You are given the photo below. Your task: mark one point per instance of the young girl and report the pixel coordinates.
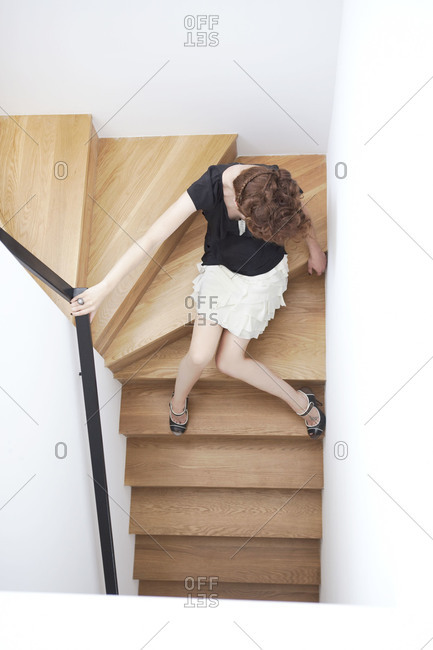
(251, 210)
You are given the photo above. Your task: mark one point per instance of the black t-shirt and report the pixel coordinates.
(223, 244)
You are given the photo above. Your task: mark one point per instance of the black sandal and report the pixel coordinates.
(316, 430)
(176, 428)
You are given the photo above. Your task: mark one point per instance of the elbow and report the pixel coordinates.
(149, 245)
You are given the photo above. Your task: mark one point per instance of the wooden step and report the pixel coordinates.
(145, 331)
(137, 179)
(213, 461)
(47, 169)
(256, 560)
(235, 408)
(226, 512)
(292, 345)
(210, 591)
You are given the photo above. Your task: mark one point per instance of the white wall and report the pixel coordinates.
(92, 57)
(379, 311)
(89, 622)
(49, 536)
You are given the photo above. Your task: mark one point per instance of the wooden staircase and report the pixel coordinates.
(232, 509)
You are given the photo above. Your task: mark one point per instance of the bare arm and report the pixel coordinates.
(145, 246)
(311, 240)
(317, 260)
(152, 239)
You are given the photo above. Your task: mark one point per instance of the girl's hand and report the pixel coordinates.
(317, 261)
(93, 296)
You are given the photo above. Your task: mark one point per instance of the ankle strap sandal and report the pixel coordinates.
(316, 430)
(176, 428)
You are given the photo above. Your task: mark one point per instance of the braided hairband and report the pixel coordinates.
(264, 173)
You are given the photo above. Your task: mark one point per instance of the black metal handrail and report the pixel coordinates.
(90, 391)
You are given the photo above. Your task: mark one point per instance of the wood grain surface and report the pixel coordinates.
(47, 167)
(214, 408)
(211, 590)
(215, 461)
(230, 559)
(226, 512)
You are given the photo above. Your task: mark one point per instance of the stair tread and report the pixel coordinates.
(250, 560)
(215, 461)
(213, 408)
(226, 512)
(216, 589)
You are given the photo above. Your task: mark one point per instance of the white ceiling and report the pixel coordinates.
(270, 78)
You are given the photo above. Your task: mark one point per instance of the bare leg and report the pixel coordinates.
(204, 342)
(231, 360)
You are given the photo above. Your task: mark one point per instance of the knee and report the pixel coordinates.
(225, 364)
(199, 358)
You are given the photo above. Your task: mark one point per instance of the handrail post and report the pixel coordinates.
(88, 376)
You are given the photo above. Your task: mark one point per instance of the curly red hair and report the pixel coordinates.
(270, 201)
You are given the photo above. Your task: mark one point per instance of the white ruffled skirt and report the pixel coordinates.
(242, 304)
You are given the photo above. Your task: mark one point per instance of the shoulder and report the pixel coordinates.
(206, 191)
